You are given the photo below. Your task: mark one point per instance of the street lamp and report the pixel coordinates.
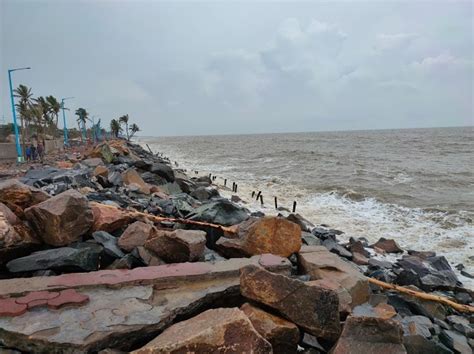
(66, 139)
(19, 153)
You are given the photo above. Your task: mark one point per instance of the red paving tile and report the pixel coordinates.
(9, 307)
(68, 297)
(37, 295)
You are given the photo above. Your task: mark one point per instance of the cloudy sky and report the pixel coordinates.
(192, 68)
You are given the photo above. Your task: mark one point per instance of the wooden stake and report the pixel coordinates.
(276, 203)
(294, 206)
(261, 199)
(424, 296)
(258, 194)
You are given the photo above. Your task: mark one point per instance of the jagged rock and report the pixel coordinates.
(273, 235)
(336, 248)
(370, 335)
(455, 341)
(211, 256)
(322, 264)
(143, 164)
(359, 259)
(186, 185)
(101, 171)
(163, 170)
(168, 188)
(220, 330)
(422, 254)
(62, 219)
(131, 178)
(387, 245)
(18, 196)
(148, 257)
(356, 246)
(153, 179)
(108, 218)
(304, 224)
(462, 325)
(381, 310)
(204, 193)
(417, 325)
(313, 308)
(93, 162)
(115, 178)
(283, 335)
(109, 243)
(179, 205)
(222, 212)
(417, 344)
(178, 246)
(309, 239)
(135, 235)
(62, 259)
(128, 261)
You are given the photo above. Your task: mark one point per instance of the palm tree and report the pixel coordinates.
(124, 119)
(115, 127)
(43, 117)
(133, 129)
(82, 117)
(24, 94)
(54, 108)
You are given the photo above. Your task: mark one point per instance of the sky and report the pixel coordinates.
(203, 68)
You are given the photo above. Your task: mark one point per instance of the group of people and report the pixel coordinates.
(35, 150)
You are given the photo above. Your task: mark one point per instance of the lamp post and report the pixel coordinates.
(19, 152)
(66, 138)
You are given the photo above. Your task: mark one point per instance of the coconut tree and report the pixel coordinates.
(43, 111)
(124, 119)
(54, 108)
(25, 95)
(133, 129)
(82, 118)
(115, 127)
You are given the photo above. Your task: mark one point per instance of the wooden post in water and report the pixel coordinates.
(276, 203)
(225, 182)
(261, 199)
(253, 194)
(294, 206)
(258, 194)
(233, 186)
(236, 188)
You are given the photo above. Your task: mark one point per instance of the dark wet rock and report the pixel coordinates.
(143, 164)
(222, 212)
(462, 325)
(309, 239)
(62, 219)
(206, 180)
(313, 308)
(179, 205)
(387, 245)
(115, 178)
(370, 335)
(257, 214)
(163, 170)
(416, 344)
(357, 246)
(205, 193)
(186, 185)
(408, 277)
(310, 341)
(282, 334)
(273, 235)
(61, 259)
(455, 341)
(407, 306)
(93, 162)
(417, 325)
(304, 224)
(223, 330)
(336, 248)
(109, 242)
(178, 245)
(422, 254)
(152, 178)
(463, 297)
(211, 256)
(378, 264)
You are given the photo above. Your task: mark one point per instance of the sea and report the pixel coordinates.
(412, 185)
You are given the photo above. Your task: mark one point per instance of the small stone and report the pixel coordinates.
(101, 171)
(135, 235)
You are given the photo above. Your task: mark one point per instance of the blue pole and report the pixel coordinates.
(66, 139)
(15, 125)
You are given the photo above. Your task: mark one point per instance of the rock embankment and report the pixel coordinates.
(115, 250)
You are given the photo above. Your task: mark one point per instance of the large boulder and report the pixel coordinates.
(108, 218)
(370, 335)
(135, 235)
(163, 170)
(109, 243)
(62, 259)
(324, 266)
(131, 178)
(311, 307)
(222, 212)
(62, 219)
(263, 235)
(387, 245)
(223, 330)
(283, 335)
(19, 196)
(178, 246)
(204, 193)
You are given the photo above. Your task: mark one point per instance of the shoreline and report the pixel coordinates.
(115, 214)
